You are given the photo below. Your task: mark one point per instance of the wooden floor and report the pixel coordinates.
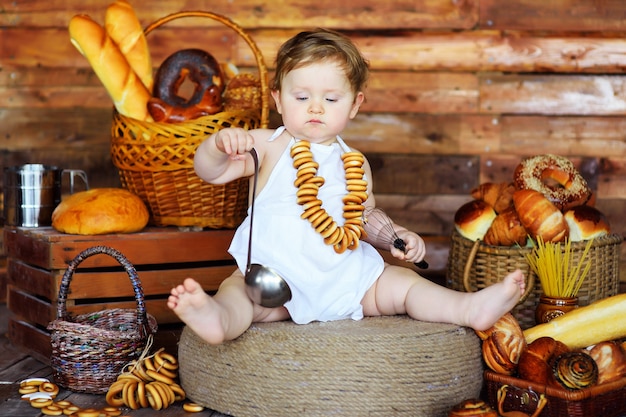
(16, 365)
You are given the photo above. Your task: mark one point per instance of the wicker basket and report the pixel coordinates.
(605, 400)
(155, 160)
(476, 265)
(90, 350)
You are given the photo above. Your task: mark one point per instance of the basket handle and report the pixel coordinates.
(524, 399)
(265, 96)
(142, 318)
(468, 267)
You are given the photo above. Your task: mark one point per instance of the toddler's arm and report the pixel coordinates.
(224, 157)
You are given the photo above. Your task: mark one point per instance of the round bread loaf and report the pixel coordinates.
(100, 211)
(586, 223)
(473, 219)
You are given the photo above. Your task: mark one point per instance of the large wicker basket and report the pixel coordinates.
(476, 265)
(90, 350)
(155, 160)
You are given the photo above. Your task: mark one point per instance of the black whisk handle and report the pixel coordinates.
(422, 264)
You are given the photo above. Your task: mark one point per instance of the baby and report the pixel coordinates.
(315, 192)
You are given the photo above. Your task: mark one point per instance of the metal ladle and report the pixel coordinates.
(264, 285)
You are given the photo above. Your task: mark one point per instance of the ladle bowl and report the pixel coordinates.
(264, 285)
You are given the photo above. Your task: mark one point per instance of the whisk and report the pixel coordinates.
(386, 232)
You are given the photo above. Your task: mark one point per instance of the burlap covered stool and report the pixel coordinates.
(384, 366)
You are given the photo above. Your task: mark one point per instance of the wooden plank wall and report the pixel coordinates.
(460, 91)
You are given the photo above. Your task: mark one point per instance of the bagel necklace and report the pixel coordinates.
(308, 184)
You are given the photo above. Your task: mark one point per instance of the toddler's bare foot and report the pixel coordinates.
(491, 303)
(197, 310)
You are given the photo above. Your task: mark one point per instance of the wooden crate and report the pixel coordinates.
(38, 257)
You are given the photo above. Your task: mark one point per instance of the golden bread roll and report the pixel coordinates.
(130, 96)
(123, 26)
(611, 361)
(585, 222)
(535, 363)
(539, 216)
(100, 211)
(473, 219)
(506, 229)
(503, 344)
(497, 195)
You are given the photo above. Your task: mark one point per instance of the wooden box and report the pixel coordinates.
(38, 257)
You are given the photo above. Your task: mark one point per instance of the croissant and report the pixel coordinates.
(539, 216)
(506, 229)
(497, 195)
(575, 370)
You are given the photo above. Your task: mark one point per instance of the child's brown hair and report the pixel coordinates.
(322, 45)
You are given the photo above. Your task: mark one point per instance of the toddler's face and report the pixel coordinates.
(316, 101)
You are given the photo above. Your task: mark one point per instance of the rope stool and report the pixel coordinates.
(382, 366)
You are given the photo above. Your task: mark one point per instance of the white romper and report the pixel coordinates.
(325, 285)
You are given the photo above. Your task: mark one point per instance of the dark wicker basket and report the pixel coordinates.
(476, 265)
(90, 350)
(605, 400)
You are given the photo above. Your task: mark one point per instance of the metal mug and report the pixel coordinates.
(32, 192)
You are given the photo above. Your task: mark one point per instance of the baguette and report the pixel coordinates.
(128, 93)
(123, 26)
(585, 326)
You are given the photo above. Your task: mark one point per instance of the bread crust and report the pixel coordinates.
(100, 211)
(130, 96)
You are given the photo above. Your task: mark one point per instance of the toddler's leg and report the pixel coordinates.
(215, 319)
(399, 290)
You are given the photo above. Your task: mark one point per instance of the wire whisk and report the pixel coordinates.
(385, 231)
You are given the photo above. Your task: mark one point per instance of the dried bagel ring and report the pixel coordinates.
(343, 245)
(28, 389)
(112, 411)
(301, 179)
(52, 410)
(41, 402)
(193, 408)
(49, 388)
(319, 220)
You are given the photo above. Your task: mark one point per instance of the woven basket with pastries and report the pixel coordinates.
(495, 232)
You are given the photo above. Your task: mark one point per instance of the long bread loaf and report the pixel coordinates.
(585, 326)
(128, 93)
(123, 26)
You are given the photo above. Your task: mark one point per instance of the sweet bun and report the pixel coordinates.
(503, 344)
(585, 222)
(473, 219)
(100, 211)
(610, 359)
(536, 362)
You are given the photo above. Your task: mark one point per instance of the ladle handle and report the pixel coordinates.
(255, 158)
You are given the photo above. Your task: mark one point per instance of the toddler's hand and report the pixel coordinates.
(415, 248)
(234, 142)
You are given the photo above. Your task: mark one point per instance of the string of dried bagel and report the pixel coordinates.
(308, 184)
(149, 381)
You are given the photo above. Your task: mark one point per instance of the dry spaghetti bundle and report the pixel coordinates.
(552, 263)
